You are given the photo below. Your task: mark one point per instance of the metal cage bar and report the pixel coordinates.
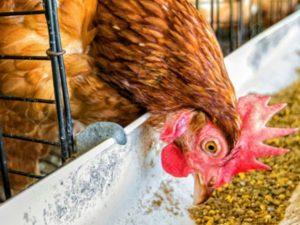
(21, 99)
(68, 116)
(53, 53)
(231, 26)
(212, 7)
(240, 29)
(30, 139)
(61, 102)
(22, 13)
(4, 169)
(20, 173)
(21, 57)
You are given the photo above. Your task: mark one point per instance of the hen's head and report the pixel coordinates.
(206, 154)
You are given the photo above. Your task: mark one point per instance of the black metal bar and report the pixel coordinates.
(290, 6)
(231, 26)
(277, 11)
(197, 4)
(22, 13)
(20, 173)
(260, 20)
(4, 169)
(212, 3)
(21, 99)
(56, 79)
(271, 13)
(30, 139)
(21, 57)
(65, 93)
(250, 19)
(218, 20)
(240, 24)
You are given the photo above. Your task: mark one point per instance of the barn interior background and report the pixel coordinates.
(234, 21)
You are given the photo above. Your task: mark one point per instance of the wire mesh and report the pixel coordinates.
(61, 101)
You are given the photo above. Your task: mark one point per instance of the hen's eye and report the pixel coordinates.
(211, 147)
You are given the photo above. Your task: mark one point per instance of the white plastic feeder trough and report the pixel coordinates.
(113, 185)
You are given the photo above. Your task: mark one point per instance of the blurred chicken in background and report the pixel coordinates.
(226, 11)
(275, 10)
(223, 10)
(91, 99)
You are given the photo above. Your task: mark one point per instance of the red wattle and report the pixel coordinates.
(174, 162)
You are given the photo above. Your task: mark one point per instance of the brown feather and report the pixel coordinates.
(166, 55)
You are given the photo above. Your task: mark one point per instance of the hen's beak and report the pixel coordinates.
(202, 191)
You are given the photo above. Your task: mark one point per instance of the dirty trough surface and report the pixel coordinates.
(113, 185)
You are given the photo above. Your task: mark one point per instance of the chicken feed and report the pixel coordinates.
(260, 198)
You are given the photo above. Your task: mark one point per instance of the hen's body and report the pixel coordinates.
(91, 99)
(165, 53)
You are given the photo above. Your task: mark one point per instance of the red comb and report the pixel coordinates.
(255, 113)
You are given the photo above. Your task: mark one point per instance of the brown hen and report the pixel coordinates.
(91, 99)
(165, 53)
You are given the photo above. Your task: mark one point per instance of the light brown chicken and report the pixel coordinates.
(91, 99)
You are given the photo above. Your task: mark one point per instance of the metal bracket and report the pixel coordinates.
(96, 133)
